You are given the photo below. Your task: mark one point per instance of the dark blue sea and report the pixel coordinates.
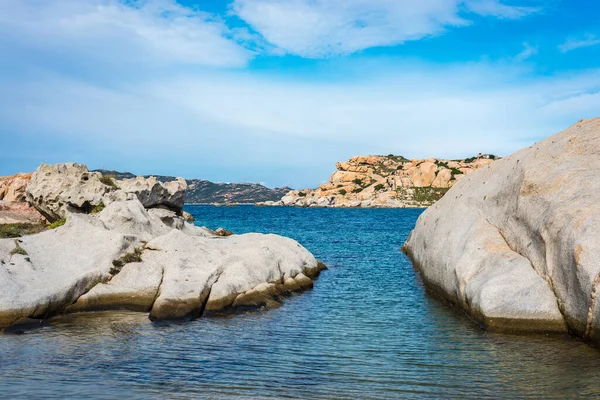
(367, 330)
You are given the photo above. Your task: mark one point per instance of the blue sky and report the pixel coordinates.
(277, 91)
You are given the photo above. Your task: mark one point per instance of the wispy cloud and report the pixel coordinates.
(274, 125)
(159, 31)
(528, 52)
(321, 28)
(573, 43)
(497, 9)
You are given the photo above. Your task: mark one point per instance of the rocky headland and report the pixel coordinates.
(201, 191)
(517, 243)
(125, 244)
(385, 182)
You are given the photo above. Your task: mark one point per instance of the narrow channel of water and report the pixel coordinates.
(366, 331)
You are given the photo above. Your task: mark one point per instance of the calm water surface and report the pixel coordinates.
(366, 331)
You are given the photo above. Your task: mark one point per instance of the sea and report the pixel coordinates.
(367, 330)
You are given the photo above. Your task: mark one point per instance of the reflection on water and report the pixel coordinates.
(366, 331)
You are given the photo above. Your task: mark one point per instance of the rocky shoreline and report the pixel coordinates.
(516, 243)
(385, 182)
(126, 245)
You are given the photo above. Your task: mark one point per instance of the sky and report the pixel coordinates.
(278, 91)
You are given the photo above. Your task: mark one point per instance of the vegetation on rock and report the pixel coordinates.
(18, 230)
(18, 249)
(98, 208)
(109, 180)
(57, 223)
(134, 256)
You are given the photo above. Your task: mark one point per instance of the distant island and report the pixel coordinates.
(391, 181)
(200, 191)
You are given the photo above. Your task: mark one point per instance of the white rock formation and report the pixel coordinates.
(130, 257)
(517, 243)
(57, 189)
(152, 193)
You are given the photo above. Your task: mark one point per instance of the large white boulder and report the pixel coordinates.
(56, 189)
(517, 243)
(152, 193)
(56, 267)
(128, 257)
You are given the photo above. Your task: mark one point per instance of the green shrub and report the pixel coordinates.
(98, 208)
(108, 180)
(343, 192)
(301, 194)
(379, 187)
(428, 195)
(18, 230)
(10, 231)
(357, 190)
(357, 181)
(455, 171)
(18, 250)
(390, 155)
(57, 223)
(470, 159)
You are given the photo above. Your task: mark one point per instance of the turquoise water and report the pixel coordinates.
(366, 331)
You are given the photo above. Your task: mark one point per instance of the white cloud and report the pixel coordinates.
(528, 52)
(577, 43)
(294, 132)
(496, 9)
(321, 28)
(157, 31)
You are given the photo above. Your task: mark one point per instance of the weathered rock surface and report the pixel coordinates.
(12, 188)
(152, 193)
(517, 243)
(13, 208)
(129, 257)
(385, 181)
(57, 189)
(19, 213)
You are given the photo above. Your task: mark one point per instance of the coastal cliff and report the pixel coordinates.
(386, 181)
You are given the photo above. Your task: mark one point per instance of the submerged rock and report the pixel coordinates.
(516, 243)
(125, 256)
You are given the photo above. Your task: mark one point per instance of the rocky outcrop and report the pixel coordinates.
(152, 193)
(13, 207)
(385, 181)
(12, 188)
(55, 190)
(129, 257)
(516, 244)
(19, 213)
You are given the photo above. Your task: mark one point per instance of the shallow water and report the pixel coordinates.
(367, 330)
